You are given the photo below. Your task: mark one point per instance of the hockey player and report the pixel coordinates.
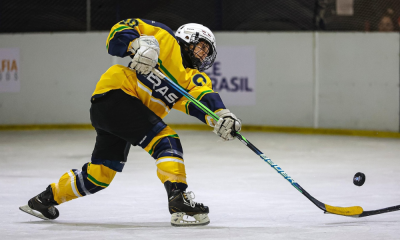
(128, 106)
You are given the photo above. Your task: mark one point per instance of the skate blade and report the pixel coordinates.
(178, 221)
(32, 212)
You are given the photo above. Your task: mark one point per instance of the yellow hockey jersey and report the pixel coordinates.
(155, 93)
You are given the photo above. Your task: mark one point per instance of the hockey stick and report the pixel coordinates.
(355, 211)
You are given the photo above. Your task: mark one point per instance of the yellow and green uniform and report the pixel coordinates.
(164, 144)
(157, 95)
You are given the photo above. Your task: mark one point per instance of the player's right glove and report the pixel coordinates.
(146, 50)
(227, 125)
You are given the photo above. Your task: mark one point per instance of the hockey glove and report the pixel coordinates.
(227, 125)
(146, 50)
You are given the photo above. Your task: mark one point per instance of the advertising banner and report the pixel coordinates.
(9, 70)
(234, 75)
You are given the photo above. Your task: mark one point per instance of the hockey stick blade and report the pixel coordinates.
(355, 211)
(358, 211)
(344, 211)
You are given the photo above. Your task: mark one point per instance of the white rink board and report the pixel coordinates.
(356, 89)
(247, 198)
(358, 77)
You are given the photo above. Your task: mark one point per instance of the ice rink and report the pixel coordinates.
(247, 198)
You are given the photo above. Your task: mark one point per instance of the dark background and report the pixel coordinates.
(220, 15)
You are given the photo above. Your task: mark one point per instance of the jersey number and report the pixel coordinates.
(130, 22)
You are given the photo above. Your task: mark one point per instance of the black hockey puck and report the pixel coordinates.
(359, 179)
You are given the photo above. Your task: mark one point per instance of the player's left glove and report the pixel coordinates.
(227, 125)
(146, 50)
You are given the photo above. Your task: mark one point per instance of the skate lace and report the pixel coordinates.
(190, 196)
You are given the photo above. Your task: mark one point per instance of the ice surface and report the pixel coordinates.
(247, 198)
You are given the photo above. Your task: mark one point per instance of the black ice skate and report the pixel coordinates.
(42, 205)
(181, 204)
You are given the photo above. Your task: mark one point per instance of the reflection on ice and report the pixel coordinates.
(247, 198)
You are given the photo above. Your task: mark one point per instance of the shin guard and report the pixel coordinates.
(167, 150)
(75, 183)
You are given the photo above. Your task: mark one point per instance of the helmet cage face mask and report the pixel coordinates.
(208, 61)
(190, 41)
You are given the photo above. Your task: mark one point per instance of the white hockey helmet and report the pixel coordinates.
(192, 34)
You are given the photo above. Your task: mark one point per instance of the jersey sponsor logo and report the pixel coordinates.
(199, 80)
(163, 90)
